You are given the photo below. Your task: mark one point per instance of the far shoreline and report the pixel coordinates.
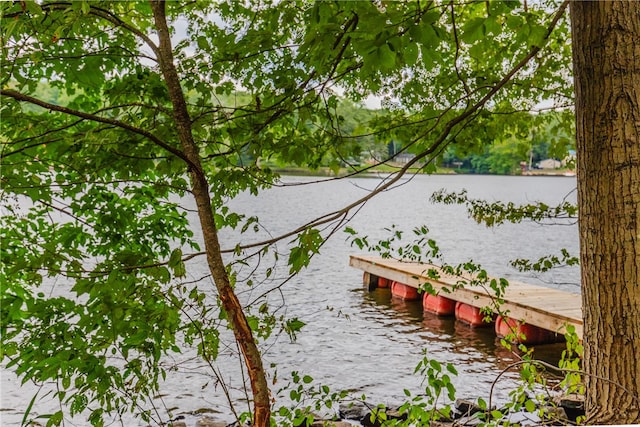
(327, 172)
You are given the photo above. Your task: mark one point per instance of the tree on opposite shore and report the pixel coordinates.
(98, 183)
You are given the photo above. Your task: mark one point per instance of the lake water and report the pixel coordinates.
(356, 340)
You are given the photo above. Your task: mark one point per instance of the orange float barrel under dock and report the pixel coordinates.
(405, 292)
(472, 316)
(438, 304)
(523, 333)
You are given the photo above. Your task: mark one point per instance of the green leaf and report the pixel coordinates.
(452, 369)
(175, 258)
(425, 34)
(530, 405)
(202, 42)
(537, 35)
(410, 54)
(180, 270)
(473, 30)
(293, 326)
(254, 323)
(386, 57)
(55, 419)
(482, 404)
(10, 27)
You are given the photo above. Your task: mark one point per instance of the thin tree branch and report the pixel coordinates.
(108, 16)
(92, 117)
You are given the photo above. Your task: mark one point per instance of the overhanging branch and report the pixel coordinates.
(95, 118)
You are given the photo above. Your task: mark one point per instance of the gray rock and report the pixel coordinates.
(327, 423)
(202, 411)
(210, 422)
(392, 414)
(573, 405)
(572, 401)
(468, 421)
(395, 414)
(319, 421)
(353, 410)
(467, 407)
(555, 414)
(524, 419)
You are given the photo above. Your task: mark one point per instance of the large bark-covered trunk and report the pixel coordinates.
(200, 190)
(606, 62)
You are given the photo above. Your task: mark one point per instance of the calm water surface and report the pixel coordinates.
(366, 342)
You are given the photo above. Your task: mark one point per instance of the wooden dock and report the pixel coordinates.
(546, 308)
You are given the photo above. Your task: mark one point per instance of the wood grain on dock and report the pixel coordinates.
(547, 308)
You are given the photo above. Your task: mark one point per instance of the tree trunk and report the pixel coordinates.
(606, 64)
(200, 189)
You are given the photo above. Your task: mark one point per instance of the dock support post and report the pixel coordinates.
(370, 281)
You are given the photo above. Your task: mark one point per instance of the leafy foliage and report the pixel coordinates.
(101, 165)
(498, 213)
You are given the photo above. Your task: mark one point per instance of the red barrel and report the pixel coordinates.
(438, 304)
(524, 333)
(406, 292)
(470, 315)
(383, 282)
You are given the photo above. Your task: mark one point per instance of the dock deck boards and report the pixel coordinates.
(547, 308)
